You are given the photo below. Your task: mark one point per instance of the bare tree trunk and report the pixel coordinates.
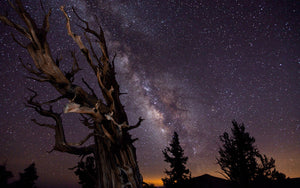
(114, 153)
(118, 165)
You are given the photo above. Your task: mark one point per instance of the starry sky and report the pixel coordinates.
(187, 66)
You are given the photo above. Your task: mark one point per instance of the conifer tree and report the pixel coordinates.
(28, 178)
(241, 161)
(86, 172)
(237, 157)
(5, 175)
(175, 156)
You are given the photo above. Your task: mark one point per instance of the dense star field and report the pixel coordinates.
(187, 66)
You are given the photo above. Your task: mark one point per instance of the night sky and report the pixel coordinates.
(187, 66)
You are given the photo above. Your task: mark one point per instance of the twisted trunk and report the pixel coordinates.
(116, 167)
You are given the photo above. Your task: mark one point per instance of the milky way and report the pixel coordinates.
(186, 66)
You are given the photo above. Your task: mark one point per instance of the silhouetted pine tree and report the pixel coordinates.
(4, 176)
(178, 174)
(267, 173)
(28, 178)
(238, 155)
(241, 161)
(86, 172)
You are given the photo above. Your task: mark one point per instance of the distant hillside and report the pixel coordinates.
(291, 183)
(208, 181)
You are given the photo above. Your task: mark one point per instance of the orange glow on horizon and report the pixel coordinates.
(155, 181)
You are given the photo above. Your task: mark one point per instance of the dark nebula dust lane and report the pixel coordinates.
(187, 66)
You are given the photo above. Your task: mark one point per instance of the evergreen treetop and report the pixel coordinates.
(241, 161)
(175, 156)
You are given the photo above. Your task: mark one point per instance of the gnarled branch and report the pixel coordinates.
(19, 28)
(38, 47)
(43, 124)
(60, 141)
(99, 36)
(31, 70)
(18, 42)
(78, 40)
(137, 125)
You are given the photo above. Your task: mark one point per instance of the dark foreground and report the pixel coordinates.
(208, 181)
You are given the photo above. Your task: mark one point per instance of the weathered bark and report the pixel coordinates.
(114, 153)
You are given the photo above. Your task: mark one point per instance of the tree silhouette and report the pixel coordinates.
(241, 161)
(86, 172)
(238, 155)
(267, 173)
(4, 176)
(179, 173)
(28, 178)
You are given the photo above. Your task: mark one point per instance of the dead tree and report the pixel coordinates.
(114, 153)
